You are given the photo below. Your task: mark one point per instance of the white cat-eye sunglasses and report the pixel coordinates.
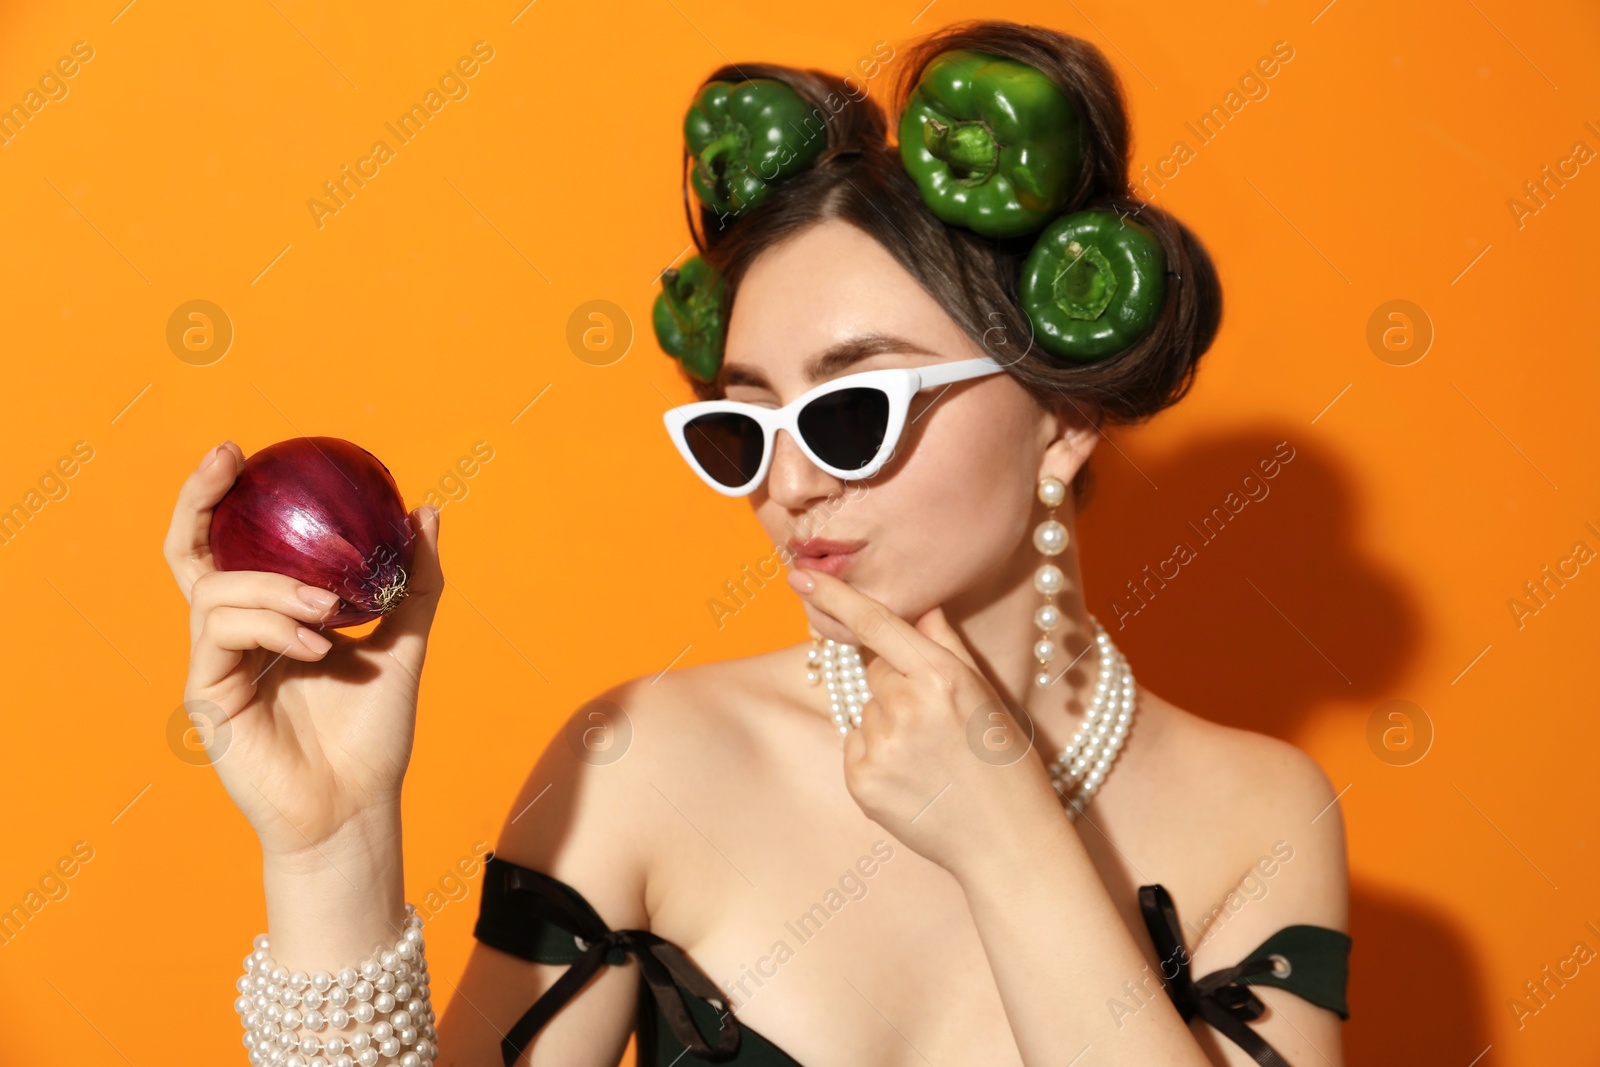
(848, 426)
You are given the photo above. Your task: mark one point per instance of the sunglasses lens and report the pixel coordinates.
(727, 447)
(845, 428)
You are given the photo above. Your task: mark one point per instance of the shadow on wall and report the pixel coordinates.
(1243, 598)
(1416, 995)
(1239, 595)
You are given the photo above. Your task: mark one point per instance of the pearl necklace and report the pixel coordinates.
(838, 667)
(1082, 766)
(1087, 759)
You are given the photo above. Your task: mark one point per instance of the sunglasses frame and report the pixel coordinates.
(898, 384)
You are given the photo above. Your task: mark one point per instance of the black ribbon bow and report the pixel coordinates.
(1217, 998)
(664, 965)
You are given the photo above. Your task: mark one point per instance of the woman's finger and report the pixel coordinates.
(906, 648)
(935, 625)
(877, 720)
(258, 589)
(229, 632)
(408, 624)
(187, 546)
(855, 746)
(886, 682)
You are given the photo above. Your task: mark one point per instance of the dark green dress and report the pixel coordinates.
(539, 917)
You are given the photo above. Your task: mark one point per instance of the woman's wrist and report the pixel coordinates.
(329, 903)
(373, 1013)
(368, 835)
(1014, 840)
(1015, 814)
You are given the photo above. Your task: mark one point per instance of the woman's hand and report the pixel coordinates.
(308, 738)
(939, 760)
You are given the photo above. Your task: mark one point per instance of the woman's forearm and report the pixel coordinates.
(329, 905)
(342, 978)
(1059, 951)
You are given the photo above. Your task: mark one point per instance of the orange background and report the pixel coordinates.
(433, 309)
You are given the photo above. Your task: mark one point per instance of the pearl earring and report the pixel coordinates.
(1050, 538)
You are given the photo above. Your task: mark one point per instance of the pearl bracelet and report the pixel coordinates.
(384, 999)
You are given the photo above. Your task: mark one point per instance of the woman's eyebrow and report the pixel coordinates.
(830, 361)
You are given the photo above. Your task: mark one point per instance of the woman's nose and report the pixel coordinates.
(793, 481)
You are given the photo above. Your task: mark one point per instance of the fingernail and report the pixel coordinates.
(315, 642)
(801, 581)
(210, 457)
(320, 599)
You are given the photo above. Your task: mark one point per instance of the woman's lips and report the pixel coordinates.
(829, 557)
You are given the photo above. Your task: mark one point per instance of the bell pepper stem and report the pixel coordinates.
(1084, 287)
(676, 302)
(968, 147)
(715, 157)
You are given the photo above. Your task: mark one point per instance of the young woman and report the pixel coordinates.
(961, 881)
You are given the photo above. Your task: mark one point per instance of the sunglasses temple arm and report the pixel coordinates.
(948, 374)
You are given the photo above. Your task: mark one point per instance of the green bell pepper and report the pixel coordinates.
(688, 317)
(993, 144)
(1093, 284)
(739, 134)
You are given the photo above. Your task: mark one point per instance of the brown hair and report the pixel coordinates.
(860, 179)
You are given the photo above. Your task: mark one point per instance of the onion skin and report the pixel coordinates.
(325, 512)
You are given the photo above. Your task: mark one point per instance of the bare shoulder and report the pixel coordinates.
(700, 711)
(1262, 847)
(1238, 766)
(1251, 797)
(590, 810)
(580, 813)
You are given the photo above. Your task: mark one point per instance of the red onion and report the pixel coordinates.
(325, 512)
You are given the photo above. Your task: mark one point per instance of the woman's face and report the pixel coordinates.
(955, 504)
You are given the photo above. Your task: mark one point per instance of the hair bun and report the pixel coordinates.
(841, 152)
(1162, 295)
